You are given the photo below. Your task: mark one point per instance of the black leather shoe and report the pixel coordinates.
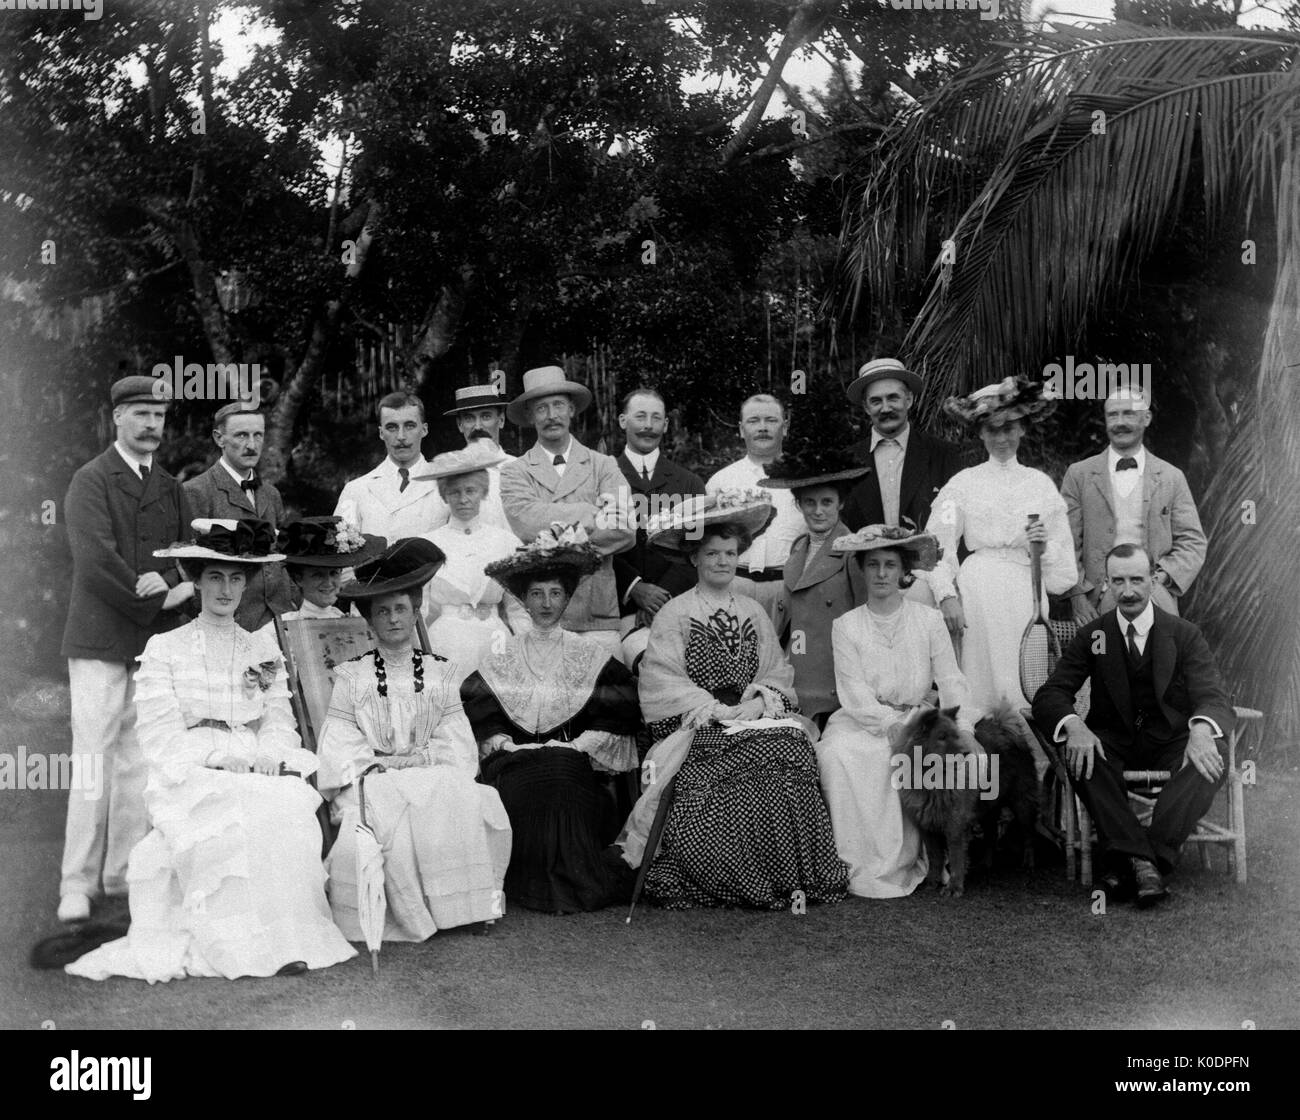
(1151, 887)
(1118, 886)
(293, 968)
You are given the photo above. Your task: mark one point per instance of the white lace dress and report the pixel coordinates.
(229, 880)
(988, 506)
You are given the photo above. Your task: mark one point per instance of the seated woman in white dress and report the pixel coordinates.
(228, 882)
(396, 722)
(987, 599)
(317, 550)
(468, 614)
(887, 652)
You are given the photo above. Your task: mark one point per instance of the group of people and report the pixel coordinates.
(753, 647)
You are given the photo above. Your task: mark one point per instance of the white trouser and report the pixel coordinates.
(101, 831)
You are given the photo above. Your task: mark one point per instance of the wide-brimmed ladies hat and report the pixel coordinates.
(877, 370)
(921, 549)
(1013, 398)
(473, 397)
(546, 381)
(478, 456)
(813, 464)
(327, 542)
(682, 527)
(561, 547)
(406, 564)
(237, 541)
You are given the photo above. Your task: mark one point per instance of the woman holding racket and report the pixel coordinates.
(1001, 509)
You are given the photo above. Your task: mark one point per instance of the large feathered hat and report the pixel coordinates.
(559, 548)
(1013, 398)
(406, 564)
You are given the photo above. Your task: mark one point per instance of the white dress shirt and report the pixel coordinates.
(1125, 482)
(133, 461)
(888, 452)
(644, 465)
(772, 549)
(567, 454)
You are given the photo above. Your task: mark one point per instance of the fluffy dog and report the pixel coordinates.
(999, 733)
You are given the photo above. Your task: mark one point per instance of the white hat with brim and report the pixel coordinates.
(878, 370)
(545, 381)
(922, 549)
(685, 525)
(477, 457)
(233, 540)
(473, 397)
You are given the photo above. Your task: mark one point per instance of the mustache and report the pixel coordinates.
(478, 433)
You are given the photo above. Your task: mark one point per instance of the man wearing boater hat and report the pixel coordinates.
(120, 508)
(907, 468)
(558, 479)
(231, 487)
(480, 415)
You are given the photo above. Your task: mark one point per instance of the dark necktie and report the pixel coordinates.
(558, 460)
(1128, 463)
(249, 485)
(406, 478)
(144, 474)
(1134, 655)
(645, 472)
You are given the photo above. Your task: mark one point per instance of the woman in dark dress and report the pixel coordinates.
(552, 713)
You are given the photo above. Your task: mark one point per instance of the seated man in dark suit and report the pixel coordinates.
(1157, 704)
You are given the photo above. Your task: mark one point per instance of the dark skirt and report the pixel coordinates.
(563, 818)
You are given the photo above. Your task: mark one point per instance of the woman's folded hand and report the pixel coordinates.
(266, 764)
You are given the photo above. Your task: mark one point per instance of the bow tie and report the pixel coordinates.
(1128, 463)
(249, 485)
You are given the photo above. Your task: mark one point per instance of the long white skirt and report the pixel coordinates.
(446, 845)
(228, 883)
(879, 842)
(996, 597)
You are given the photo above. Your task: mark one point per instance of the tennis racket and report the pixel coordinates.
(1039, 647)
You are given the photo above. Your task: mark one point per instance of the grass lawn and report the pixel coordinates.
(1020, 950)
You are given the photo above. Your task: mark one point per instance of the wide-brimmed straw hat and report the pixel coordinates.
(478, 456)
(813, 464)
(921, 549)
(877, 370)
(546, 381)
(561, 547)
(473, 397)
(327, 542)
(234, 540)
(1013, 398)
(683, 526)
(406, 564)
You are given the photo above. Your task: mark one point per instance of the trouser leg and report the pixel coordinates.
(1106, 798)
(1186, 798)
(128, 821)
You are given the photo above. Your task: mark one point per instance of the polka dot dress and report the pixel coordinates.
(748, 825)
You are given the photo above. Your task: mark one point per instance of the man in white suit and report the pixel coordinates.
(558, 479)
(480, 415)
(1126, 495)
(388, 501)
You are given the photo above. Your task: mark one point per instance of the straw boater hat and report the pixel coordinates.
(1011, 399)
(246, 541)
(474, 397)
(405, 565)
(683, 526)
(477, 457)
(878, 370)
(327, 542)
(921, 549)
(561, 546)
(813, 464)
(545, 381)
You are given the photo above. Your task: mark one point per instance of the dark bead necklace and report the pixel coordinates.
(381, 673)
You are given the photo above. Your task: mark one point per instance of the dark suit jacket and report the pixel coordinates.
(927, 465)
(673, 574)
(269, 590)
(1187, 680)
(114, 523)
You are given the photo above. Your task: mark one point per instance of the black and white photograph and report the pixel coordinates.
(651, 515)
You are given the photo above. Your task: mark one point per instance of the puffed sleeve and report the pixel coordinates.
(344, 751)
(452, 742)
(857, 696)
(953, 690)
(1060, 572)
(277, 731)
(947, 523)
(170, 750)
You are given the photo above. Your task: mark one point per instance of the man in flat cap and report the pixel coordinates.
(558, 479)
(120, 507)
(230, 488)
(480, 414)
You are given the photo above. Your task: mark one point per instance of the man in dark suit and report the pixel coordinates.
(646, 577)
(120, 507)
(1157, 704)
(908, 468)
(231, 488)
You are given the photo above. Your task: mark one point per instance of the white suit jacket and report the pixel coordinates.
(376, 505)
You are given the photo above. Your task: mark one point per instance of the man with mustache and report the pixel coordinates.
(763, 424)
(1127, 495)
(647, 578)
(389, 502)
(232, 488)
(120, 507)
(1157, 703)
(480, 415)
(908, 467)
(558, 479)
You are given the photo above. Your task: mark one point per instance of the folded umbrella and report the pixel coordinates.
(372, 905)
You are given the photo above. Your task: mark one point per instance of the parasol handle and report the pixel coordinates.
(361, 791)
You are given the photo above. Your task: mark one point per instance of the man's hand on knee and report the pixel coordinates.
(1081, 745)
(1202, 753)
